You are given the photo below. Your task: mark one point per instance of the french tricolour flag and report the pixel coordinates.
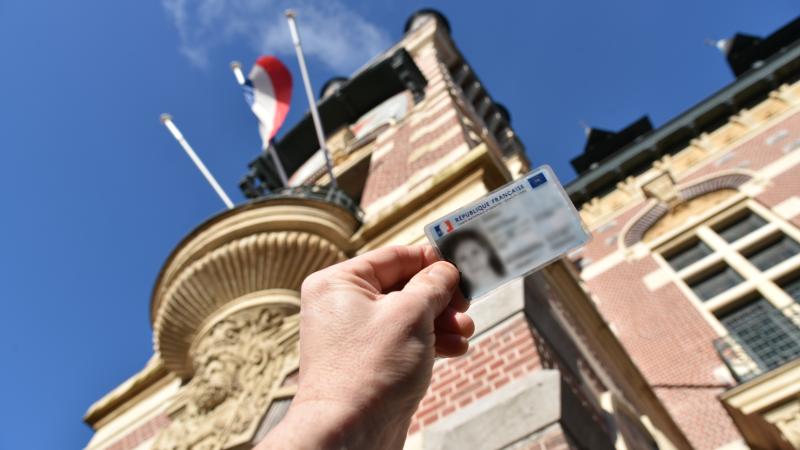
(268, 91)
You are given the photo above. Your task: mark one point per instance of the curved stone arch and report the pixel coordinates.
(635, 231)
(716, 183)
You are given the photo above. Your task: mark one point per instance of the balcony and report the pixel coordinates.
(772, 340)
(264, 246)
(321, 193)
(225, 309)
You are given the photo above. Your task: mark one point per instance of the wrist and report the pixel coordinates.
(320, 424)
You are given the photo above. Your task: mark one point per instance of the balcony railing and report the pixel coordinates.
(774, 340)
(323, 193)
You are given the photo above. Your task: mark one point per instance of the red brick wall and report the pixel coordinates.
(507, 353)
(672, 344)
(393, 169)
(663, 331)
(781, 188)
(140, 434)
(755, 152)
(605, 237)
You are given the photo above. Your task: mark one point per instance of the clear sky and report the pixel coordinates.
(95, 193)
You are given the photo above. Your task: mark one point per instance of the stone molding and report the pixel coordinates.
(262, 246)
(504, 417)
(638, 227)
(98, 414)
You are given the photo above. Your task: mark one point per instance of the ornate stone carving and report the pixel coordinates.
(270, 244)
(662, 188)
(239, 361)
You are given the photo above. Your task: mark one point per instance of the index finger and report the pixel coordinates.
(388, 267)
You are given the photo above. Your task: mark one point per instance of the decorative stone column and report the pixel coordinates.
(225, 313)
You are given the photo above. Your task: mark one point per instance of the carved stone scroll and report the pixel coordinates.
(239, 363)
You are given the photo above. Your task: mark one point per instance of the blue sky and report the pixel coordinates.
(96, 193)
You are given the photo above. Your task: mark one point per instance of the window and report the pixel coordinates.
(776, 252)
(792, 288)
(689, 255)
(716, 282)
(768, 336)
(758, 332)
(741, 227)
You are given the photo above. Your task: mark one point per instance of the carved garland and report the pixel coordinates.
(240, 363)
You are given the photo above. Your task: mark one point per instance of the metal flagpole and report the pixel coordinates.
(236, 67)
(166, 119)
(312, 104)
(273, 153)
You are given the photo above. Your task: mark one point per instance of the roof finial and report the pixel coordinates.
(723, 45)
(586, 128)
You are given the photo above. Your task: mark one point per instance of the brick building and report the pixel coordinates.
(695, 262)
(415, 134)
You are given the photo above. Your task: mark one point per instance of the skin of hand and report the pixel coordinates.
(370, 328)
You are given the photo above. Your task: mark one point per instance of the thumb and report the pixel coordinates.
(432, 288)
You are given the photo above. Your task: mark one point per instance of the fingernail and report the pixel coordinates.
(441, 269)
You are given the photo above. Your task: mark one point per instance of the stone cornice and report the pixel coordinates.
(152, 372)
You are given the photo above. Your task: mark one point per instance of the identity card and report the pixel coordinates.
(513, 231)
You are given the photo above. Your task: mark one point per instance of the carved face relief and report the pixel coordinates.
(238, 365)
(216, 383)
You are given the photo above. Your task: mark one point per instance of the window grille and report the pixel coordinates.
(768, 336)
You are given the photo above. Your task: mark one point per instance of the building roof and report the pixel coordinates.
(763, 65)
(602, 143)
(745, 51)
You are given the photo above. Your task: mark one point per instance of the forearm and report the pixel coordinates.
(316, 425)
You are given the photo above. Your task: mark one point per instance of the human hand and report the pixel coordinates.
(369, 330)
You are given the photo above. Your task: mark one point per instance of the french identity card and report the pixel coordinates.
(513, 231)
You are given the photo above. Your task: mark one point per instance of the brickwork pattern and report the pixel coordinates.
(664, 333)
(757, 151)
(605, 237)
(505, 354)
(671, 343)
(393, 169)
(753, 154)
(142, 433)
(781, 188)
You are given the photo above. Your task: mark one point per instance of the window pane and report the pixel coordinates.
(774, 253)
(769, 337)
(716, 283)
(792, 287)
(741, 227)
(688, 255)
